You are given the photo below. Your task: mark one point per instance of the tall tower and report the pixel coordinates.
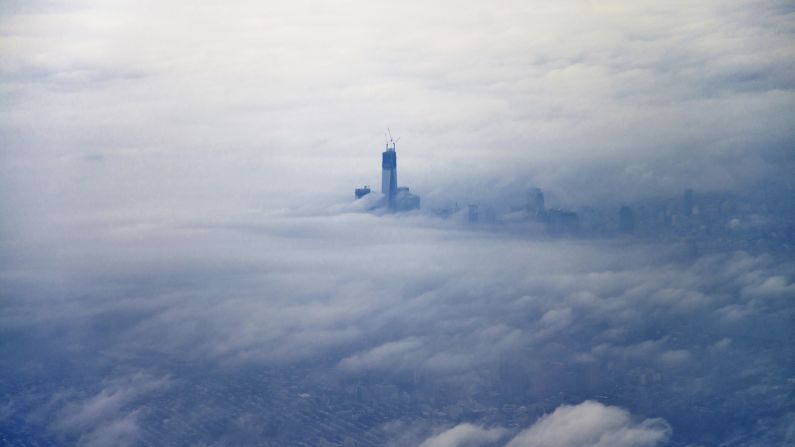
(535, 202)
(389, 170)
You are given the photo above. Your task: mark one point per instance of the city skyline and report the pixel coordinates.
(395, 198)
(596, 247)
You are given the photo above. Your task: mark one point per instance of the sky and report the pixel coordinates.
(115, 105)
(181, 258)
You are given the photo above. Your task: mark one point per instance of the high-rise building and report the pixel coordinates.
(562, 221)
(361, 192)
(396, 198)
(535, 202)
(389, 172)
(404, 200)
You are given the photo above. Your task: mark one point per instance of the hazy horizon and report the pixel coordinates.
(182, 261)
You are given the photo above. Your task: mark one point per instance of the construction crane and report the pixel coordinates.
(390, 140)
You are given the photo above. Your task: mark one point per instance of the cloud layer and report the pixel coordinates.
(180, 261)
(589, 424)
(406, 307)
(592, 424)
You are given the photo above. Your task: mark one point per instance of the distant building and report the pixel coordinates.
(535, 203)
(389, 173)
(405, 201)
(361, 192)
(396, 198)
(472, 216)
(562, 222)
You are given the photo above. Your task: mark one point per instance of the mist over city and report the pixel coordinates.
(435, 224)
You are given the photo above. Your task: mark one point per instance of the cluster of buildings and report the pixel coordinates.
(395, 198)
(555, 221)
(717, 220)
(761, 219)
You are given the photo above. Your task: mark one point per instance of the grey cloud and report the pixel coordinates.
(108, 417)
(409, 298)
(120, 432)
(528, 93)
(450, 311)
(386, 355)
(175, 189)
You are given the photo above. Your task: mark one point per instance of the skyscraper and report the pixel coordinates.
(535, 203)
(361, 192)
(395, 198)
(389, 172)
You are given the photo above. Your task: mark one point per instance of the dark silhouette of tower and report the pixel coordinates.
(361, 192)
(535, 203)
(396, 198)
(389, 172)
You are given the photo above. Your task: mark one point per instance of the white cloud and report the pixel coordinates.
(117, 432)
(588, 424)
(388, 354)
(109, 417)
(465, 435)
(367, 298)
(591, 424)
(149, 151)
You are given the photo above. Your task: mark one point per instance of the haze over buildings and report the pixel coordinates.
(605, 235)
(395, 198)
